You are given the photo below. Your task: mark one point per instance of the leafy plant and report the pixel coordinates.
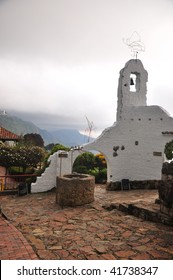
(86, 160)
(95, 165)
(20, 156)
(33, 139)
(58, 147)
(169, 150)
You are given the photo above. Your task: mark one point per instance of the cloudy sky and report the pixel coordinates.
(60, 59)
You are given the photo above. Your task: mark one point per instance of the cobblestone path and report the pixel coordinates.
(88, 232)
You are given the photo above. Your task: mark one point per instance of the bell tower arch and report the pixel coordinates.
(132, 88)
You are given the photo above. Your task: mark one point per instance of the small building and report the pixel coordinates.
(134, 145)
(8, 137)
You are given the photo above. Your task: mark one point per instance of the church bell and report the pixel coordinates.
(131, 82)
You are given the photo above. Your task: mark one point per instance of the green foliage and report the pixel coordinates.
(86, 160)
(49, 147)
(58, 147)
(100, 161)
(81, 169)
(94, 165)
(169, 150)
(99, 174)
(7, 156)
(33, 139)
(20, 156)
(95, 172)
(103, 175)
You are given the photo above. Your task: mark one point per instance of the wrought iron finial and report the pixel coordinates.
(135, 44)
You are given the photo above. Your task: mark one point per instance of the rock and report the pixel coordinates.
(166, 194)
(56, 247)
(166, 198)
(100, 249)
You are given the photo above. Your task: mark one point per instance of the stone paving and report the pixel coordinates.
(88, 232)
(13, 245)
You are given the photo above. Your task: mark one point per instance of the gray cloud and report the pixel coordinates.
(60, 60)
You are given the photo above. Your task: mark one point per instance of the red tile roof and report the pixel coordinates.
(8, 135)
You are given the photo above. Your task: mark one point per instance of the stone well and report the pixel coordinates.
(75, 189)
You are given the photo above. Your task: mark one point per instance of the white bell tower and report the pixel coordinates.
(132, 88)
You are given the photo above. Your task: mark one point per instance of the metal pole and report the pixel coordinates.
(60, 166)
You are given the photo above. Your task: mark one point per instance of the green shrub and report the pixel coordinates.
(81, 169)
(103, 175)
(86, 160)
(95, 165)
(58, 147)
(100, 175)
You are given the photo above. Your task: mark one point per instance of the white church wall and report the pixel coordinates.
(141, 143)
(134, 145)
(137, 132)
(58, 167)
(47, 180)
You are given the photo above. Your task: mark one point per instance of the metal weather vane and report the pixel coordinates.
(135, 44)
(89, 129)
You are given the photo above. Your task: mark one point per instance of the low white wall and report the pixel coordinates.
(58, 167)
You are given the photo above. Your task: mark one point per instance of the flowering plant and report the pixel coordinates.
(22, 156)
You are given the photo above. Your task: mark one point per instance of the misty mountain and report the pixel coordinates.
(67, 137)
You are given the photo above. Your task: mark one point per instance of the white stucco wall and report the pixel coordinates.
(58, 167)
(136, 161)
(126, 97)
(137, 131)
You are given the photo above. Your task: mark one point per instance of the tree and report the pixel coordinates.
(85, 161)
(95, 165)
(21, 156)
(7, 156)
(50, 146)
(33, 139)
(58, 147)
(169, 150)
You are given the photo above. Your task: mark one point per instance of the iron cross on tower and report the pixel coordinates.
(135, 44)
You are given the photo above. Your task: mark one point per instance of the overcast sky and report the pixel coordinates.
(60, 59)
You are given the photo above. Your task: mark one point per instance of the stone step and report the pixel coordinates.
(138, 210)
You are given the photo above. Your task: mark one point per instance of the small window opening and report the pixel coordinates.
(134, 82)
